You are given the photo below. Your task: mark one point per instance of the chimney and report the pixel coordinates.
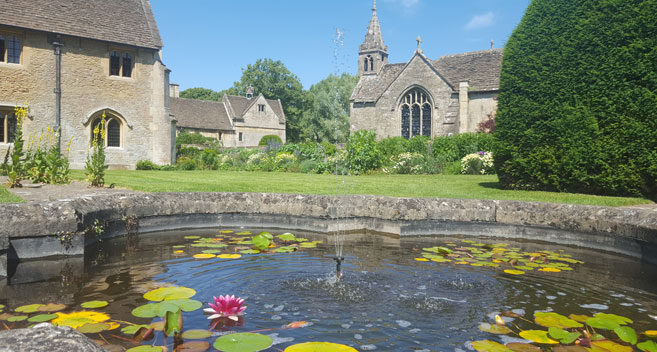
(249, 92)
(174, 90)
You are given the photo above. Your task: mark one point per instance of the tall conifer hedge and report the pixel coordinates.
(578, 99)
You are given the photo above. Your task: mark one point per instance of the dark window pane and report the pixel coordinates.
(11, 127)
(426, 120)
(240, 136)
(371, 64)
(113, 133)
(366, 66)
(2, 49)
(2, 128)
(416, 120)
(14, 51)
(127, 65)
(406, 122)
(115, 64)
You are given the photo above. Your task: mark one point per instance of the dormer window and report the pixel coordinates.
(121, 64)
(261, 107)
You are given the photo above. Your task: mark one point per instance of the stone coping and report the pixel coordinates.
(45, 229)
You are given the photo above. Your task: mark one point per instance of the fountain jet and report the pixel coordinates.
(338, 266)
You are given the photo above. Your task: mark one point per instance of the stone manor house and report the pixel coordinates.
(73, 61)
(235, 121)
(450, 95)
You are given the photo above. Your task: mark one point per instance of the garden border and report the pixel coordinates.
(37, 230)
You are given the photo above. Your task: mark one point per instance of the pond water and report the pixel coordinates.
(389, 297)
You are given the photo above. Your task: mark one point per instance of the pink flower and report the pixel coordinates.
(226, 307)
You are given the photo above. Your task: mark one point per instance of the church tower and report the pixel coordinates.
(373, 53)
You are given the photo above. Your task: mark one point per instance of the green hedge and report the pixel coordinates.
(578, 99)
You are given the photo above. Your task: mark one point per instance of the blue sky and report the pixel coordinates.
(208, 42)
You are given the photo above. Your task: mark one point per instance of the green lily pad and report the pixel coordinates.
(173, 322)
(17, 318)
(284, 250)
(250, 251)
(146, 348)
(514, 272)
(261, 242)
(571, 348)
(319, 347)
(211, 251)
(620, 320)
(186, 305)
(286, 237)
(193, 346)
(301, 239)
(168, 293)
(267, 235)
(494, 329)
(93, 328)
(626, 334)
(647, 346)
(439, 250)
(522, 347)
(538, 336)
(563, 336)
(243, 233)
(243, 342)
(611, 346)
(42, 318)
(132, 329)
(94, 304)
(209, 245)
(179, 246)
(245, 242)
(30, 308)
(196, 334)
(52, 307)
(153, 310)
(601, 323)
(192, 237)
(551, 319)
(308, 245)
(489, 346)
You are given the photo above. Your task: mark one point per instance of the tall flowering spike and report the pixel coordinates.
(230, 307)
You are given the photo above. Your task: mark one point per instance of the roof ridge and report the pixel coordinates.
(472, 53)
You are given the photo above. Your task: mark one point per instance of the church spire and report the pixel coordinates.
(373, 53)
(373, 37)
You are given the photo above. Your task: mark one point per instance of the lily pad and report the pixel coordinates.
(146, 348)
(563, 336)
(286, 237)
(51, 307)
(522, 347)
(30, 308)
(243, 342)
(489, 346)
(494, 329)
(308, 245)
(153, 310)
(210, 245)
(551, 319)
(226, 231)
(651, 333)
(42, 318)
(284, 250)
(421, 259)
(196, 334)
(77, 319)
(132, 329)
(179, 246)
(204, 256)
(229, 256)
(94, 304)
(647, 346)
(611, 346)
(243, 233)
(571, 348)
(626, 334)
(538, 336)
(211, 251)
(193, 346)
(514, 272)
(192, 237)
(250, 251)
(186, 305)
(579, 318)
(93, 328)
(319, 347)
(17, 318)
(169, 293)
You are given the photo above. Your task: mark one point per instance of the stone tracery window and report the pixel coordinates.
(416, 114)
(113, 129)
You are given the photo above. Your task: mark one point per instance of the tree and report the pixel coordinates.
(275, 81)
(578, 99)
(327, 120)
(201, 94)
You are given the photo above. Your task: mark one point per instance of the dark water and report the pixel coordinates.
(385, 301)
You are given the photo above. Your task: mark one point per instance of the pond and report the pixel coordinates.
(411, 294)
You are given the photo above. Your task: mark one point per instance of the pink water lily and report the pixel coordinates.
(226, 307)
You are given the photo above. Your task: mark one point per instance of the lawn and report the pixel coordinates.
(421, 186)
(8, 197)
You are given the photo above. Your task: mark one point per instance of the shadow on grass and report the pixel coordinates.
(491, 185)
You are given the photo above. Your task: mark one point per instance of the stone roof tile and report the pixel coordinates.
(129, 22)
(481, 68)
(241, 104)
(370, 87)
(200, 114)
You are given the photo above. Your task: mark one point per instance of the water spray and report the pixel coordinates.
(338, 265)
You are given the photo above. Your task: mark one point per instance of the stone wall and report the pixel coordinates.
(35, 230)
(256, 125)
(87, 88)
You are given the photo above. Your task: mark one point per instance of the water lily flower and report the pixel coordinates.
(226, 307)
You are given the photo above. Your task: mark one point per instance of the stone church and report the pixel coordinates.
(73, 61)
(442, 97)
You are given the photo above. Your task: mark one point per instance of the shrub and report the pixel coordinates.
(43, 161)
(191, 152)
(95, 166)
(185, 137)
(454, 148)
(208, 159)
(477, 164)
(309, 167)
(187, 164)
(419, 145)
(284, 161)
(270, 139)
(392, 146)
(147, 165)
(406, 163)
(578, 99)
(362, 152)
(16, 170)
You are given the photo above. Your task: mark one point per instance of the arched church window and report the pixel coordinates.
(114, 133)
(113, 129)
(371, 64)
(366, 65)
(426, 120)
(416, 114)
(406, 121)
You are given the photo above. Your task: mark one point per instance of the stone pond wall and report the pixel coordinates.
(57, 228)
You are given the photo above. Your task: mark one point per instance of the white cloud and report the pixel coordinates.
(480, 21)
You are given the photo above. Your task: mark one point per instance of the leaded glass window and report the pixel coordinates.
(14, 50)
(113, 133)
(127, 65)
(12, 124)
(416, 114)
(2, 49)
(2, 128)
(115, 64)
(426, 120)
(406, 122)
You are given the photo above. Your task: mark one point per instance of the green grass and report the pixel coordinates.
(8, 197)
(420, 186)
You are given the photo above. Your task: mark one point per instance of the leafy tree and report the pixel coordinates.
(327, 119)
(578, 99)
(275, 81)
(201, 94)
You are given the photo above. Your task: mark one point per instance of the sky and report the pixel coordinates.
(207, 43)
